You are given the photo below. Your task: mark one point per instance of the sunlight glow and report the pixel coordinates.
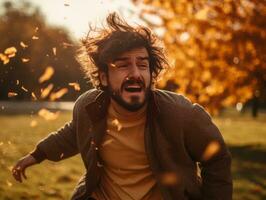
(76, 15)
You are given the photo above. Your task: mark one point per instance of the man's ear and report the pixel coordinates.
(103, 78)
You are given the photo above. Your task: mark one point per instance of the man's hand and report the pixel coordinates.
(19, 170)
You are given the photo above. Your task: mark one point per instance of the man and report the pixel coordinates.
(136, 142)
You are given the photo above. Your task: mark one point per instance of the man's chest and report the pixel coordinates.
(124, 148)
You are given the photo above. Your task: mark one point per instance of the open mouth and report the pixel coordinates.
(133, 88)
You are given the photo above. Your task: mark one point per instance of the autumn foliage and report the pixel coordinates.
(37, 60)
(217, 48)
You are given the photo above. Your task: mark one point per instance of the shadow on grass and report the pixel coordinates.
(249, 166)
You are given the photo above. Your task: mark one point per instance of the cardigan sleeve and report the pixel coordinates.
(206, 145)
(58, 145)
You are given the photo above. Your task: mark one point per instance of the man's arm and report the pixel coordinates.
(55, 147)
(206, 145)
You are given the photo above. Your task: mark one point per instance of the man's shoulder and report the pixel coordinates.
(168, 98)
(170, 103)
(87, 97)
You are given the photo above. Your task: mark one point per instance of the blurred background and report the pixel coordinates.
(217, 53)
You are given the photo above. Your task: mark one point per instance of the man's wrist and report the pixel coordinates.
(38, 155)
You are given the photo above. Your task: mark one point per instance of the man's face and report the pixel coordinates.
(129, 79)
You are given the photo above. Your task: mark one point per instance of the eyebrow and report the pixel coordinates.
(126, 58)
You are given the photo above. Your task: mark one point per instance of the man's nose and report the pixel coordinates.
(134, 71)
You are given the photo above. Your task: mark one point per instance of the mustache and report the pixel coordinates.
(130, 81)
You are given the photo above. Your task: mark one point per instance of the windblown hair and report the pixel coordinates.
(101, 46)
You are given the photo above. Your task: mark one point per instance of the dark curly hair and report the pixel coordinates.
(103, 45)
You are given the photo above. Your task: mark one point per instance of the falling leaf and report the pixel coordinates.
(9, 184)
(112, 65)
(33, 96)
(47, 115)
(33, 123)
(23, 88)
(99, 164)
(58, 94)
(11, 51)
(169, 178)
(12, 94)
(66, 45)
(4, 58)
(11, 55)
(75, 85)
(212, 148)
(35, 37)
(46, 91)
(116, 123)
(107, 142)
(54, 51)
(48, 73)
(23, 45)
(25, 60)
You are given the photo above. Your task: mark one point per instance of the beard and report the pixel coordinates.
(134, 104)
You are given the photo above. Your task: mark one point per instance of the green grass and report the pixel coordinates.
(245, 136)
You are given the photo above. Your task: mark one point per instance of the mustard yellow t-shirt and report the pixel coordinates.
(126, 171)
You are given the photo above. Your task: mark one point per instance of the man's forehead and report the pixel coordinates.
(140, 53)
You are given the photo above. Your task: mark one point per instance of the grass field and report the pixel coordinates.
(245, 136)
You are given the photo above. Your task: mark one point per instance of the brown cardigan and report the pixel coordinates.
(176, 136)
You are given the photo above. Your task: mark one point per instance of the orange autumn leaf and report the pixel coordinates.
(46, 91)
(112, 65)
(54, 51)
(12, 94)
(212, 148)
(33, 123)
(25, 60)
(169, 178)
(117, 124)
(33, 96)
(4, 58)
(48, 73)
(10, 52)
(48, 115)
(23, 45)
(66, 45)
(57, 95)
(75, 85)
(107, 142)
(35, 37)
(23, 88)
(9, 184)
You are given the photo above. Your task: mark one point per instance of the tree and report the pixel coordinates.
(29, 46)
(217, 48)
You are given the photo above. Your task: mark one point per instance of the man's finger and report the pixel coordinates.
(24, 173)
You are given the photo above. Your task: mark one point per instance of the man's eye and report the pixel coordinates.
(121, 66)
(143, 66)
